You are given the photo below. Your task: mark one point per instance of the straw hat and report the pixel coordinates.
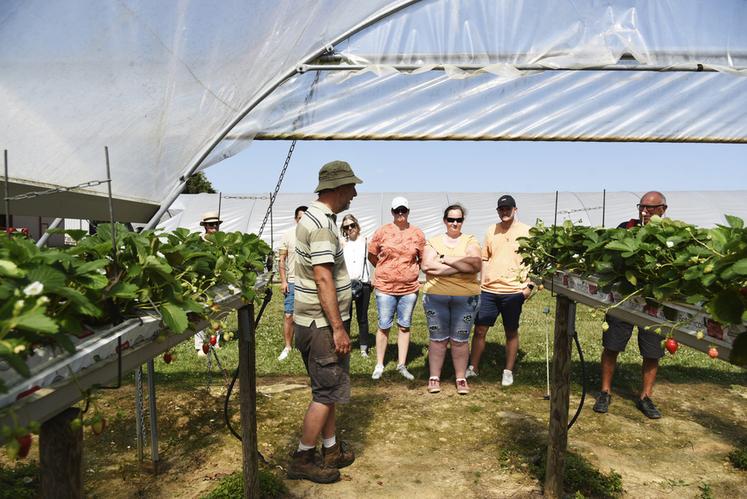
(210, 217)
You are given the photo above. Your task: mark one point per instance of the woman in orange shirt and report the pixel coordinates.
(396, 250)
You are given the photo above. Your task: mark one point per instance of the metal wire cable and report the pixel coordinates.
(34, 194)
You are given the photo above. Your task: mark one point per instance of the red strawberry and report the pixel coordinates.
(25, 445)
(713, 352)
(98, 425)
(206, 347)
(213, 340)
(10, 230)
(671, 345)
(167, 358)
(651, 310)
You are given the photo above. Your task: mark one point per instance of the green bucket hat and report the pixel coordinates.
(334, 174)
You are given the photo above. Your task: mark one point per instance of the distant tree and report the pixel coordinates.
(198, 183)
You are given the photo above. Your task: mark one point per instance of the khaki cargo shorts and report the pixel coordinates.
(329, 372)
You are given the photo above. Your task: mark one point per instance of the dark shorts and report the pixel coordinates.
(507, 306)
(329, 372)
(617, 336)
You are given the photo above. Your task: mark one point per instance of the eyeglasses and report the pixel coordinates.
(401, 210)
(650, 207)
(458, 220)
(349, 226)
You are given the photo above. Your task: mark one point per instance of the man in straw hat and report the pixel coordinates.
(322, 321)
(211, 223)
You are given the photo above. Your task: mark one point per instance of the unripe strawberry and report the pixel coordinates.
(605, 326)
(98, 425)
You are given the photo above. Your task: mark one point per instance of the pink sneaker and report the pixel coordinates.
(462, 386)
(434, 384)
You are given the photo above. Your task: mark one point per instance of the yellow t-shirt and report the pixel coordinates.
(461, 284)
(502, 271)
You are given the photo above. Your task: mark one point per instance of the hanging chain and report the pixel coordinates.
(34, 194)
(277, 187)
(577, 210)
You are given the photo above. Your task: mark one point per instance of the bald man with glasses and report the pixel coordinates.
(616, 338)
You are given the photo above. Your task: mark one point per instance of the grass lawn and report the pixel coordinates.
(489, 443)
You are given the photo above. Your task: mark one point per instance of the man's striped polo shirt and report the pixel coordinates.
(318, 242)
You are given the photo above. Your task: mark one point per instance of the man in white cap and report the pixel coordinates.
(322, 317)
(210, 223)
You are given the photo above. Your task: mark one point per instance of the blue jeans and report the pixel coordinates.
(387, 305)
(450, 317)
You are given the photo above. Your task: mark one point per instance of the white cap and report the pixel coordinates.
(400, 201)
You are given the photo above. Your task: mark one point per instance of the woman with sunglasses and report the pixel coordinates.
(451, 294)
(355, 250)
(396, 250)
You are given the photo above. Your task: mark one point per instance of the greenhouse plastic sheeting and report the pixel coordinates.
(245, 212)
(161, 82)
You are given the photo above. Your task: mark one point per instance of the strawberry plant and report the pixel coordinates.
(48, 295)
(665, 260)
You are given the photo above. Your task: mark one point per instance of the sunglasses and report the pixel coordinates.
(349, 226)
(458, 220)
(400, 211)
(212, 224)
(649, 207)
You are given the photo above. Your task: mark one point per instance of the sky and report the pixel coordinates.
(438, 166)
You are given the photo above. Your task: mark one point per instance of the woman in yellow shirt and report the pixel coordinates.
(451, 262)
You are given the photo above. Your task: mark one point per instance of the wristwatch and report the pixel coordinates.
(530, 286)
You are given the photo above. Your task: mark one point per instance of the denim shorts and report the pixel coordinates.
(508, 306)
(450, 317)
(617, 336)
(388, 304)
(289, 298)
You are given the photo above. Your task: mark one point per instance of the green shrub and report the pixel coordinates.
(232, 486)
(738, 458)
(582, 479)
(21, 482)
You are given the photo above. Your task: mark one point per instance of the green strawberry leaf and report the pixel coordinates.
(174, 317)
(728, 306)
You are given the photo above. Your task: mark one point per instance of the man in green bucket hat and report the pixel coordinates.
(322, 323)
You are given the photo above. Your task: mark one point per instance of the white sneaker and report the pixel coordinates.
(284, 354)
(470, 372)
(364, 352)
(378, 371)
(405, 373)
(508, 378)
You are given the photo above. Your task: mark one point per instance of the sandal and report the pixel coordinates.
(434, 384)
(462, 386)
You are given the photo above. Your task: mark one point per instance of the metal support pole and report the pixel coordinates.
(153, 415)
(8, 221)
(604, 204)
(248, 400)
(565, 318)
(111, 210)
(43, 239)
(139, 422)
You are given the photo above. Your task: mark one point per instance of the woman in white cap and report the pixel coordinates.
(396, 250)
(211, 223)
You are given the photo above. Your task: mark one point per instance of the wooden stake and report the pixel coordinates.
(565, 314)
(248, 400)
(61, 456)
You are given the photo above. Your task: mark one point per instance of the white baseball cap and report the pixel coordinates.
(400, 201)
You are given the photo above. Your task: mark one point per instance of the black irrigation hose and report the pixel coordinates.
(226, 418)
(583, 380)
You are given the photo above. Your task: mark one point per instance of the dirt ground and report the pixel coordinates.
(411, 443)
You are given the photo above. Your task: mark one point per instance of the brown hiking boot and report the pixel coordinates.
(337, 456)
(302, 466)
